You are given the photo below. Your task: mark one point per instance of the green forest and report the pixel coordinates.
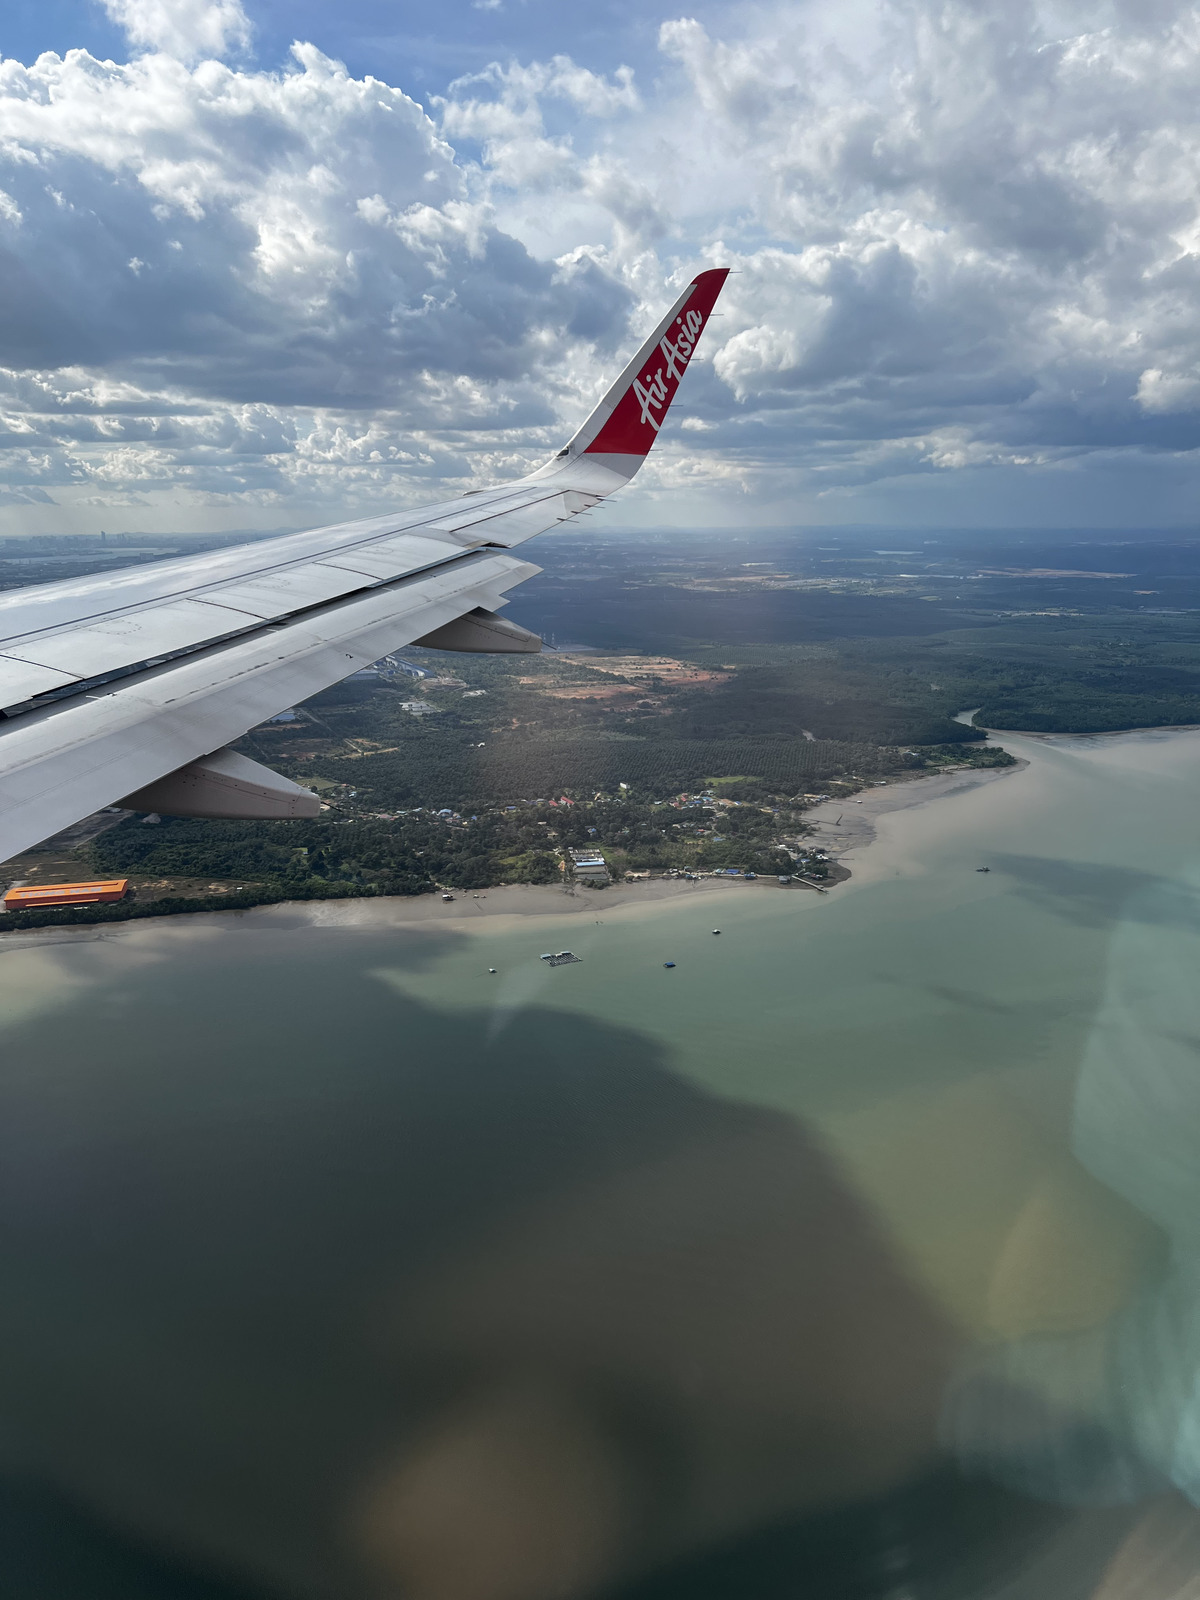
(420, 852)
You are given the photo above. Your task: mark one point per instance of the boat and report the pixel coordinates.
(560, 958)
(983, 869)
(668, 963)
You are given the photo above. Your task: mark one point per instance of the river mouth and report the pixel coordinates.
(305, 1134)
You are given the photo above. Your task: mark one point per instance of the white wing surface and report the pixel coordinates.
(127, 687)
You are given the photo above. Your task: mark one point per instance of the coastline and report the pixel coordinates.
(853, 835)
(1098, 733)
(848, 826)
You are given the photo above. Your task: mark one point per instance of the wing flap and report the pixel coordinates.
(282, 594)
(127, 639)
(22, 680)
(396, 555)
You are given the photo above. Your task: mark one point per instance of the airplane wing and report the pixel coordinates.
(126, 688)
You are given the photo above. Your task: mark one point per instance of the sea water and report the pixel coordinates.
(927, 1019)
(272, 1182)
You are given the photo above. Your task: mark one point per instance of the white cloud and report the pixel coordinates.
(968, 237)
(983, 229)
(303, 235)
(1168, 391)
(189, 30)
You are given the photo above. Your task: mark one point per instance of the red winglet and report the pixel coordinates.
(633, 424)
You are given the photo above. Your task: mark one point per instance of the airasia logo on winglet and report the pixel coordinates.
(650, 390)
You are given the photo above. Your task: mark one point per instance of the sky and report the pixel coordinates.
(269, 265)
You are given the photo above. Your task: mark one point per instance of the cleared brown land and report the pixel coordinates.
(638, 669)
(587, 691)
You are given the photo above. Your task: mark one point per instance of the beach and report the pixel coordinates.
(846, 829)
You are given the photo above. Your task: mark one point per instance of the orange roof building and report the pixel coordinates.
(31, 897)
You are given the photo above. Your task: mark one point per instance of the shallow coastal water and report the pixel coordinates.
(223, 1129)
(924, 1016)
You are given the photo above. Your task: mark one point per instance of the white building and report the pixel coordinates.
(590, 864)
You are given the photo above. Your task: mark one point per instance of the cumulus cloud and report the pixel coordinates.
(300, 238)
(957, 222)
(968, 239)
(204, 239)
(186, 29)
(987, 223)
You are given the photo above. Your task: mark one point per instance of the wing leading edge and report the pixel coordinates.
(129, 685)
